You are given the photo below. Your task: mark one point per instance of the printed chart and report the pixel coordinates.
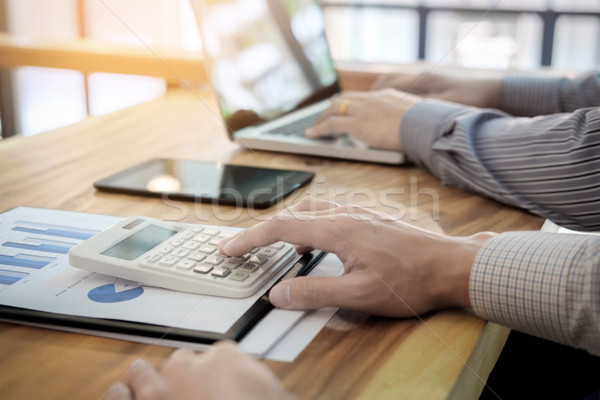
(112, 293)
(28, 246)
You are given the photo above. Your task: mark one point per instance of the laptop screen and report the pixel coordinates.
(265, 58)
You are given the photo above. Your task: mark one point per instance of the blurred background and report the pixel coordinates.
(82, 36)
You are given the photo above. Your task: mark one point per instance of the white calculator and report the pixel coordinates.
(180, 257)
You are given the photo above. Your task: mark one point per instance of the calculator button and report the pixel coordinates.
(214, 260)
(154, 257)
(277, 245)
(196, 229)
(211, 232)
(185, 265)
(165, 249)
(249, 267)
(238, 276)
(188, 234)
(203, 268)
(176, 242)
(207, 249)
(197, 256)
(180, 252)
(221, 272)
(168, 261)
(202, 238)
(233, 262)
(191, 245)
(267, 251)
(258, 259)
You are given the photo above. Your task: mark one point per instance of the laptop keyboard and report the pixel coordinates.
(297, 128)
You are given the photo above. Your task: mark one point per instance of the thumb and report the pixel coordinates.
(305, 293)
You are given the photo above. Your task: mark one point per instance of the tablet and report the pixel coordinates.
(216, 183)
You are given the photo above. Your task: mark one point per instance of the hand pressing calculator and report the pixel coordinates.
(180, 257)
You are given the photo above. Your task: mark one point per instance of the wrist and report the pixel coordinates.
(492, 89)
(453, 269)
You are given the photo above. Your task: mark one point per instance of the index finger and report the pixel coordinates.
(302, 229)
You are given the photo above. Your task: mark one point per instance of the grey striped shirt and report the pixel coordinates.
(544, 284)
(548, 165)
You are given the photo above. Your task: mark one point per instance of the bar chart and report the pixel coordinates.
(28, 246)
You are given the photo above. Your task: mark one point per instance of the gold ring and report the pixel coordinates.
(344, 106)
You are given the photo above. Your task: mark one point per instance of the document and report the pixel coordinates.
(35, 275)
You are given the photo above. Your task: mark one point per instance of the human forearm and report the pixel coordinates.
(391, 268)
(547, 285)
(531, 95)
(546, 165)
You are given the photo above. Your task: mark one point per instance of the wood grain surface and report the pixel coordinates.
(446, 354)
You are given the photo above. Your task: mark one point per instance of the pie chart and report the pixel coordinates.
(110, 294)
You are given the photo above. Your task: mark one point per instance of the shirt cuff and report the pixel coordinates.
(536, 282)
(422, 124)
(529, 96)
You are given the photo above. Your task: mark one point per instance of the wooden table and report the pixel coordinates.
(445, 354)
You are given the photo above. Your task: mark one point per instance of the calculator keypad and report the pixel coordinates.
(193, 253)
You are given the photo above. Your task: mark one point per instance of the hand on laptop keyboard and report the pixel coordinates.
(370, 117)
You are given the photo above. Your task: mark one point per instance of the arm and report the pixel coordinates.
(544, 284)
(531, 95)
(519, 95)
(223, 372)
(548, 165)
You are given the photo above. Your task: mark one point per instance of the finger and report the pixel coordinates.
(119, 392)
(227, 347)
(385, 81)
(351, 98)
(308, 203)
(182, 355)
(303, 249)
(303, 229)
(332, 125)
(227, 353)
(180, 360)
(145, 382)
(305, 293)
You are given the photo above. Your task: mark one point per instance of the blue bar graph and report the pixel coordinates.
(9, 277)
(24, 261)
(25, 248)
(46, 248)
(55, 232)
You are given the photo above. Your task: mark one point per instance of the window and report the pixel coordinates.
(45, 98)
(488, 34)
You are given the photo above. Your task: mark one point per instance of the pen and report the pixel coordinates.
(304, 265)
(262, 305)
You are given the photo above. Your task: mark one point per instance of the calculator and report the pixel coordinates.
(180, 257)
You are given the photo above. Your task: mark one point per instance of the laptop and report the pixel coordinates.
(270, 67)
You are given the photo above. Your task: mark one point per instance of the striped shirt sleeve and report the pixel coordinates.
(548, 165)
(544, 284)
(531, 95)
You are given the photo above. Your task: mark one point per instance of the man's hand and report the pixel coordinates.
(369, 117)
(479, 92)
(223, 372)
(391, 268)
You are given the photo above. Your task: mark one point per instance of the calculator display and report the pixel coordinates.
(139, 243)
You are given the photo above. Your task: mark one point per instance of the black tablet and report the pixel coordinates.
(216, 183)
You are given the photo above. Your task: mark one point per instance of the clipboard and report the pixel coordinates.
(238, 330)
(121, 327)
